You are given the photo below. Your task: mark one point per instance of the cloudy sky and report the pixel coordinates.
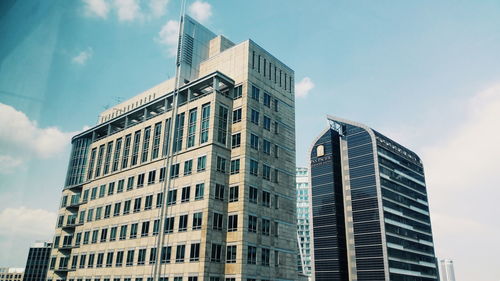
(425, 73)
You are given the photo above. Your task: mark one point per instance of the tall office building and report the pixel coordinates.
(11, 274)
(370, 209)
(37, 263)
(446, 270)
(190, 180)
(303, 225)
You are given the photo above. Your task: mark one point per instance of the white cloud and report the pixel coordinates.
(200, 11)
(23, 222)
(169, 36)
(83, 56)
(461, 154)
(99, 8)
(128, 10)
(158, 8)
(303, 87)
(8, 164)
(20, 137)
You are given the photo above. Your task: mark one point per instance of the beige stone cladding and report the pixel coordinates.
(248, 222)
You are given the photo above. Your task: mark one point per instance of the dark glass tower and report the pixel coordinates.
(370, 211)
(37, 262)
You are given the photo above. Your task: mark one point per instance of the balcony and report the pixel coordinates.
(71, 226)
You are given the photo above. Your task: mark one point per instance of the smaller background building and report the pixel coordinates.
(11, 274)
(446, 270)
(37, 262)
(303, 231)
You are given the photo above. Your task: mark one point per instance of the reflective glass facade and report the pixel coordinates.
(303, 223)
(385, 204)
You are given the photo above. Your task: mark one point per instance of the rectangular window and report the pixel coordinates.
(233, 193)
(265, 227)
(232, 223)
(265, 256)
(130, 183)
(166, 137)
(253, 194)
(152, 177)
(162, 174)
(236, 140)
(235, 166)
(254, 167)
(112, 235)
(130, 257)
(183, 222)
(192, 127)
(197, 220)
(166, 254)
(86, 236)
(107, 211)
(219, 191)
(90, 215)
(216, 255)
(141, 257)
(276, 176)
(236, 115)
(267, 99)
(156, 227)
(90, 264)
(133, 230)
(100, 259)
(266, 172)
(99, 161)
(254, 116)
(126, 207)
(254, 141)
(186, 193)
(107, 159)
(202, 163)
(222, 128)
(93, 194)
(85, 195)
(255, 93)
(148, 202)
(95, 236)
(217, 221)
(252, 255)
(104, 234)
(199, 192)
(159, 200)
(140, 180)
(231, 254)
(276, 151)
(237, 91)
(109, 259)
(267, 123)
(119, 259)
(179, 254)
(121, 183)
(194, 252)
(174, 170)
(266, 146)
(152, 256)
(172, 197)
(82, 217)
(135, 148)
(145, 229)
(116, 211)
(82, 261)
(276, 127)
(102, 191)
(111, 188)
(276, 105)
(178, 132)
(266, 199)
(169, 225)
(252, 223)
(221, 164)
(188, 167)
(156, 141)
(126, 151)
(137, 204)
(205, 122)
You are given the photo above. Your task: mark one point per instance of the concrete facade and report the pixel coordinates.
(11, 274)
(201, 186)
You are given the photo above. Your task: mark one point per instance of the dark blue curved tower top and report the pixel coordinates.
(370, 210)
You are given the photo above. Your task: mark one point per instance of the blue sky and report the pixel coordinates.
(425, 73)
